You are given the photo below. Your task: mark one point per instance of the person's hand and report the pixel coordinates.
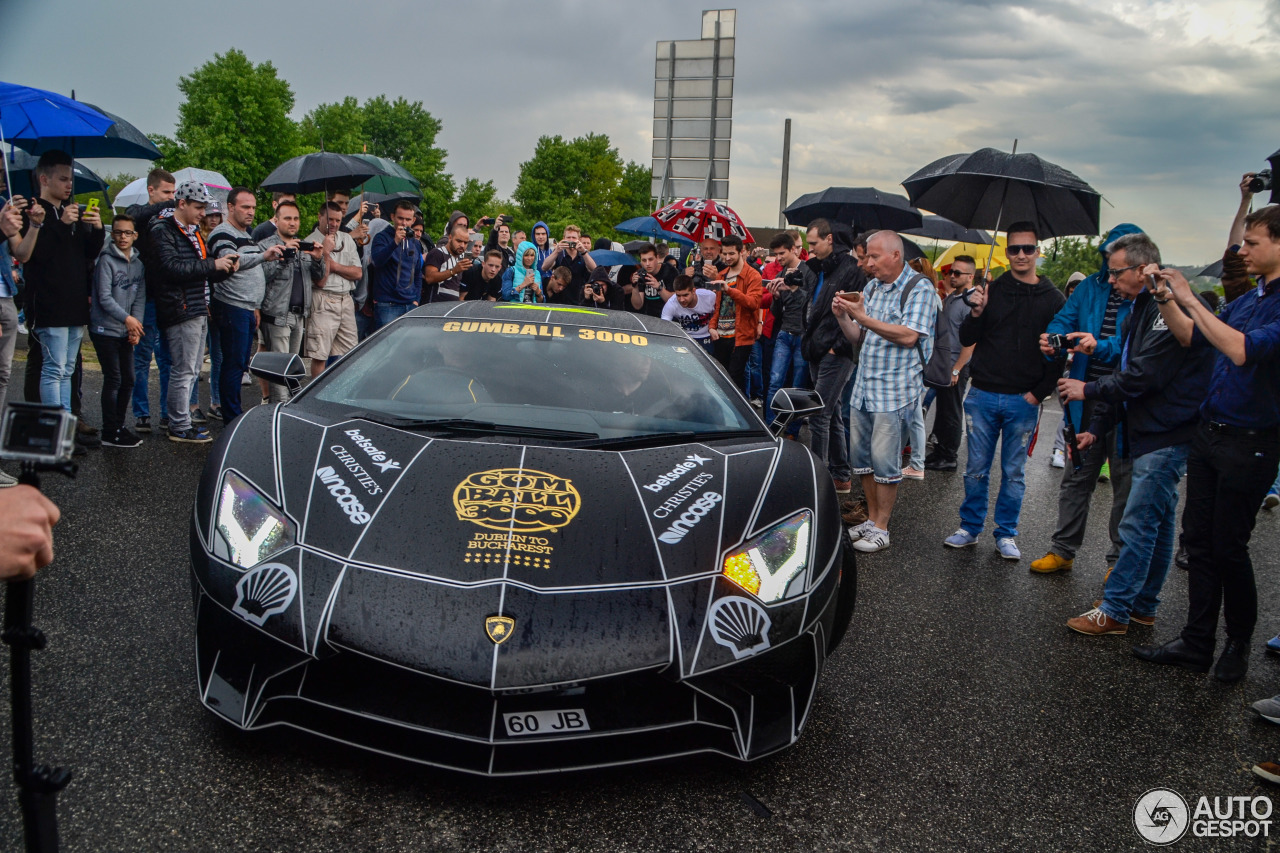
(93, 218)
(317, 252)
(26, 532)
(275, 253)
(840, 308)
(977, 301)
(36, 214)
(71, 214)
(401, 231)
(1084, 440)
(1070, 390)
(464, 265)
(360, 232)
(1045, 346)
(10, 221)
(1172, 282)
(955, 379)
(1031, 399)
(133, 327)
(709, 270)
(328, 243)
(1245, 192)
(854, 302)
(1085, 342)
(225, 264)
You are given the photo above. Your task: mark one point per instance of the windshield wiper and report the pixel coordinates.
(469, 425)
(659, 438)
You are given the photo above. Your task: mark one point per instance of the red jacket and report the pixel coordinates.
(748, 290)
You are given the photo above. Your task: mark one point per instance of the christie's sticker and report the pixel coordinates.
(516, 500)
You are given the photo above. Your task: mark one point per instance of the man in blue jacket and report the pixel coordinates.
(397, 254)
(1091, 319)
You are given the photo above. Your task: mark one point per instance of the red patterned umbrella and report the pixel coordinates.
(700, 218)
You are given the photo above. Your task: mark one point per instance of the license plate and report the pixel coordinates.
(561, 722)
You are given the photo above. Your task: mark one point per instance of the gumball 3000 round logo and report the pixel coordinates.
(516, 500)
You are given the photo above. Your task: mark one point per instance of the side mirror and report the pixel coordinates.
(279, 368)
(791, 403)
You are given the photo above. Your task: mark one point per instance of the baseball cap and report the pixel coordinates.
(213, 208)
(193, 191)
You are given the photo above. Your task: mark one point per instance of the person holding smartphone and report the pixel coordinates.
(443, 267)
(568, 253)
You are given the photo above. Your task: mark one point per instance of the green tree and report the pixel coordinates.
(334, 127)
(1066, 255)
(235, 119)
(405, 132)
(172, 155)
(582, 181)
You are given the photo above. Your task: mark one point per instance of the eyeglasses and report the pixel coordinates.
(1021, 249)
(960, 272)
(1117, 272)
(124, 233)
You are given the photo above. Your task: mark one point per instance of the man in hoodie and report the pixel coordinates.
(544, 246)
(115, 326)
(290, 281)
(160, 203)
(235, 301)
(1091, 319)
(1153, 400)
(1009, 380)
(185, 270)
(397, 256)
(829, 271)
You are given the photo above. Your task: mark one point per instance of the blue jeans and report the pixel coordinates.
(214, 343)
(913, 434)
(58, 348)
(386, 312)
(1147, 532)
(233, 330)
(787, 362)
(755, 382)
(1010, 419)
(152, 342)
(365, 326)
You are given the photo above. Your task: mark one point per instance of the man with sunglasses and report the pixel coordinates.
(1009, 381)
(1091, 320)
(949, 416)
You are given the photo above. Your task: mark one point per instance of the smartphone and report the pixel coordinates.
(92, 207)
(305, 246)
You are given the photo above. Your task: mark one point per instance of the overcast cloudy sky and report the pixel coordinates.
(1159, 105)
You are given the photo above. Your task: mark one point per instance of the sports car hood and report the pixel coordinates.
(472, 512)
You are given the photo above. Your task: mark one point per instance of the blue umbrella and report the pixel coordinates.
(606, 258)
(647, 226)
(29, 115)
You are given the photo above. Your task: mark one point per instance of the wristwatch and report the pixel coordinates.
(955, 373)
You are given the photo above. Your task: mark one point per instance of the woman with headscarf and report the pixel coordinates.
(521, 282)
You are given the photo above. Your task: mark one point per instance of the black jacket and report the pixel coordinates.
(838, 272)
(180, 275)
(1156, 396)
(57, 275)
(1007, 359)
(145, 216)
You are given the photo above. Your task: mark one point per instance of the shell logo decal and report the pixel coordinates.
(516, 500)
(265, 591)
(740, 625)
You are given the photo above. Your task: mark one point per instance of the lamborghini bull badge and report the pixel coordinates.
(499, 628)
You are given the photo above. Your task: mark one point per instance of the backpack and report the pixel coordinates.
(937, 369)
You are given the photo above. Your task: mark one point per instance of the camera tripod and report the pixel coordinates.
(38, 785)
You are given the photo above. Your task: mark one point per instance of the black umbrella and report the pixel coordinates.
(21, 165)
(319, 172)
(911, 251)
(989, 187)
(863, 207)
(941, 228)
(121, 140)
(1214, 270)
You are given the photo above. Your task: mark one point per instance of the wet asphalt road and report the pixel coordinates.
(959, 714)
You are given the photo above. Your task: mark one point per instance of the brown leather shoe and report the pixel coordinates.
(1144, 619)
(1095, 623)
(853, 512)
(843, 487)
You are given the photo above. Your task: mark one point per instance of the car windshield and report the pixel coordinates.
(556, 381)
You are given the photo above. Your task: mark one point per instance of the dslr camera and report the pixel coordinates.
(38, 435)
(1059, 342)
(1260, 182)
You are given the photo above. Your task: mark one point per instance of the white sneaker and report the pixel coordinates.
(246, 380)
(873, 539)
(1058, 460)
(7, 480)
(859, 530)
(1008, 548)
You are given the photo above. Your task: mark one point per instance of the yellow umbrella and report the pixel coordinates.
(977, 251)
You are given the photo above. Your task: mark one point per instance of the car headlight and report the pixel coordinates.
(249, 529)
(768, 565)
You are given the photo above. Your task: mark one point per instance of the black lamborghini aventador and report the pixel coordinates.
(503, 539)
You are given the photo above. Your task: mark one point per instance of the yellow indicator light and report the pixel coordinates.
(738, 568)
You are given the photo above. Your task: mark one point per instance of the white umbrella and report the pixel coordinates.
(136, 191)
